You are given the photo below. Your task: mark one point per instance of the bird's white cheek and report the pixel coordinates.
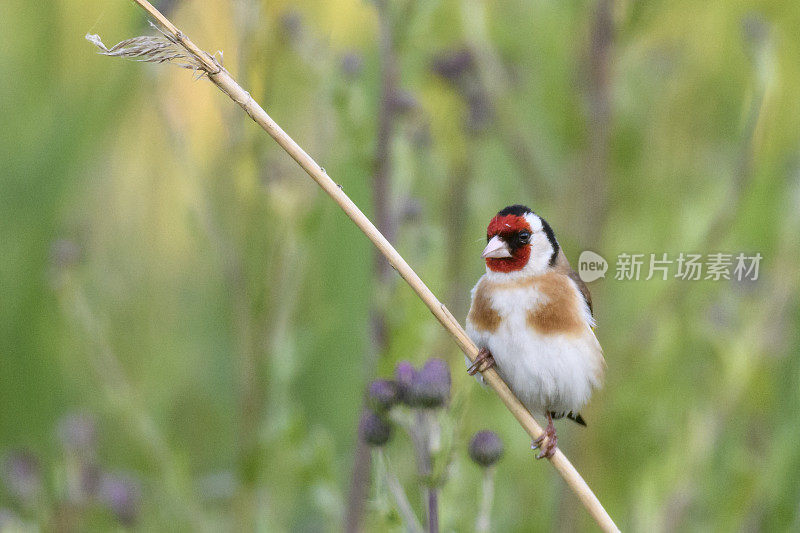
(541, 251)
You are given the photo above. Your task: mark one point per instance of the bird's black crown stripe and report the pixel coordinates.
(518, 210)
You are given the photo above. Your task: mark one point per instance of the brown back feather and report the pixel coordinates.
(562, 264)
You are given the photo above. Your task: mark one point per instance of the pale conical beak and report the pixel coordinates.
(496, 249)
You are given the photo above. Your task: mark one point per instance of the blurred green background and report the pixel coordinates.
(184, 312)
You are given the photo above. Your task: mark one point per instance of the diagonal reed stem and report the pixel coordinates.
(222, 79)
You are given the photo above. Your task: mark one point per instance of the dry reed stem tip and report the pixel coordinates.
(163, 48)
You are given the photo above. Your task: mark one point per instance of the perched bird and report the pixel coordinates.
(531, 316)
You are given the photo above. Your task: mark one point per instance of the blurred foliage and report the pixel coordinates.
(167, 268)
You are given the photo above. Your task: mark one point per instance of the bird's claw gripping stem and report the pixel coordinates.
(547, 442)
(484, 356)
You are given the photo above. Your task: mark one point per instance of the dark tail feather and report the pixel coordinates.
(577, 418)
(574, 417)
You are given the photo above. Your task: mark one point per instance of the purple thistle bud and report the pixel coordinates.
(374, 429)
(352, 64)
(452, 65)
(77, 432)
(485, 448)
(480, 112)
(404, 375)
(292, 23)
(411, 209)
(402, 101)
(122, 495)
(431, 386)
(383, 394)
(21, 474)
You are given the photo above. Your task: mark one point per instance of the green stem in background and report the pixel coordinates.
(433, 509)
(124, 403)
(249, 344)
(741, 182)
(410, 519)
(536, 167)
(484, 520)
(745, 353)
(456, 209)
(249, 340)
(594, 184)
(427, 440)
(383, 279)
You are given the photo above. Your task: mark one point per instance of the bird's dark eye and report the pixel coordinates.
(524, 237)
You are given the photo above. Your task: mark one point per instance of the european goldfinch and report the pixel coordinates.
(531, 316)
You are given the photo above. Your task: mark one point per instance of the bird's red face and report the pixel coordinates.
(509, 246)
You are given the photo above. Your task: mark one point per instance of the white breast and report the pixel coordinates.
(548, 372)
